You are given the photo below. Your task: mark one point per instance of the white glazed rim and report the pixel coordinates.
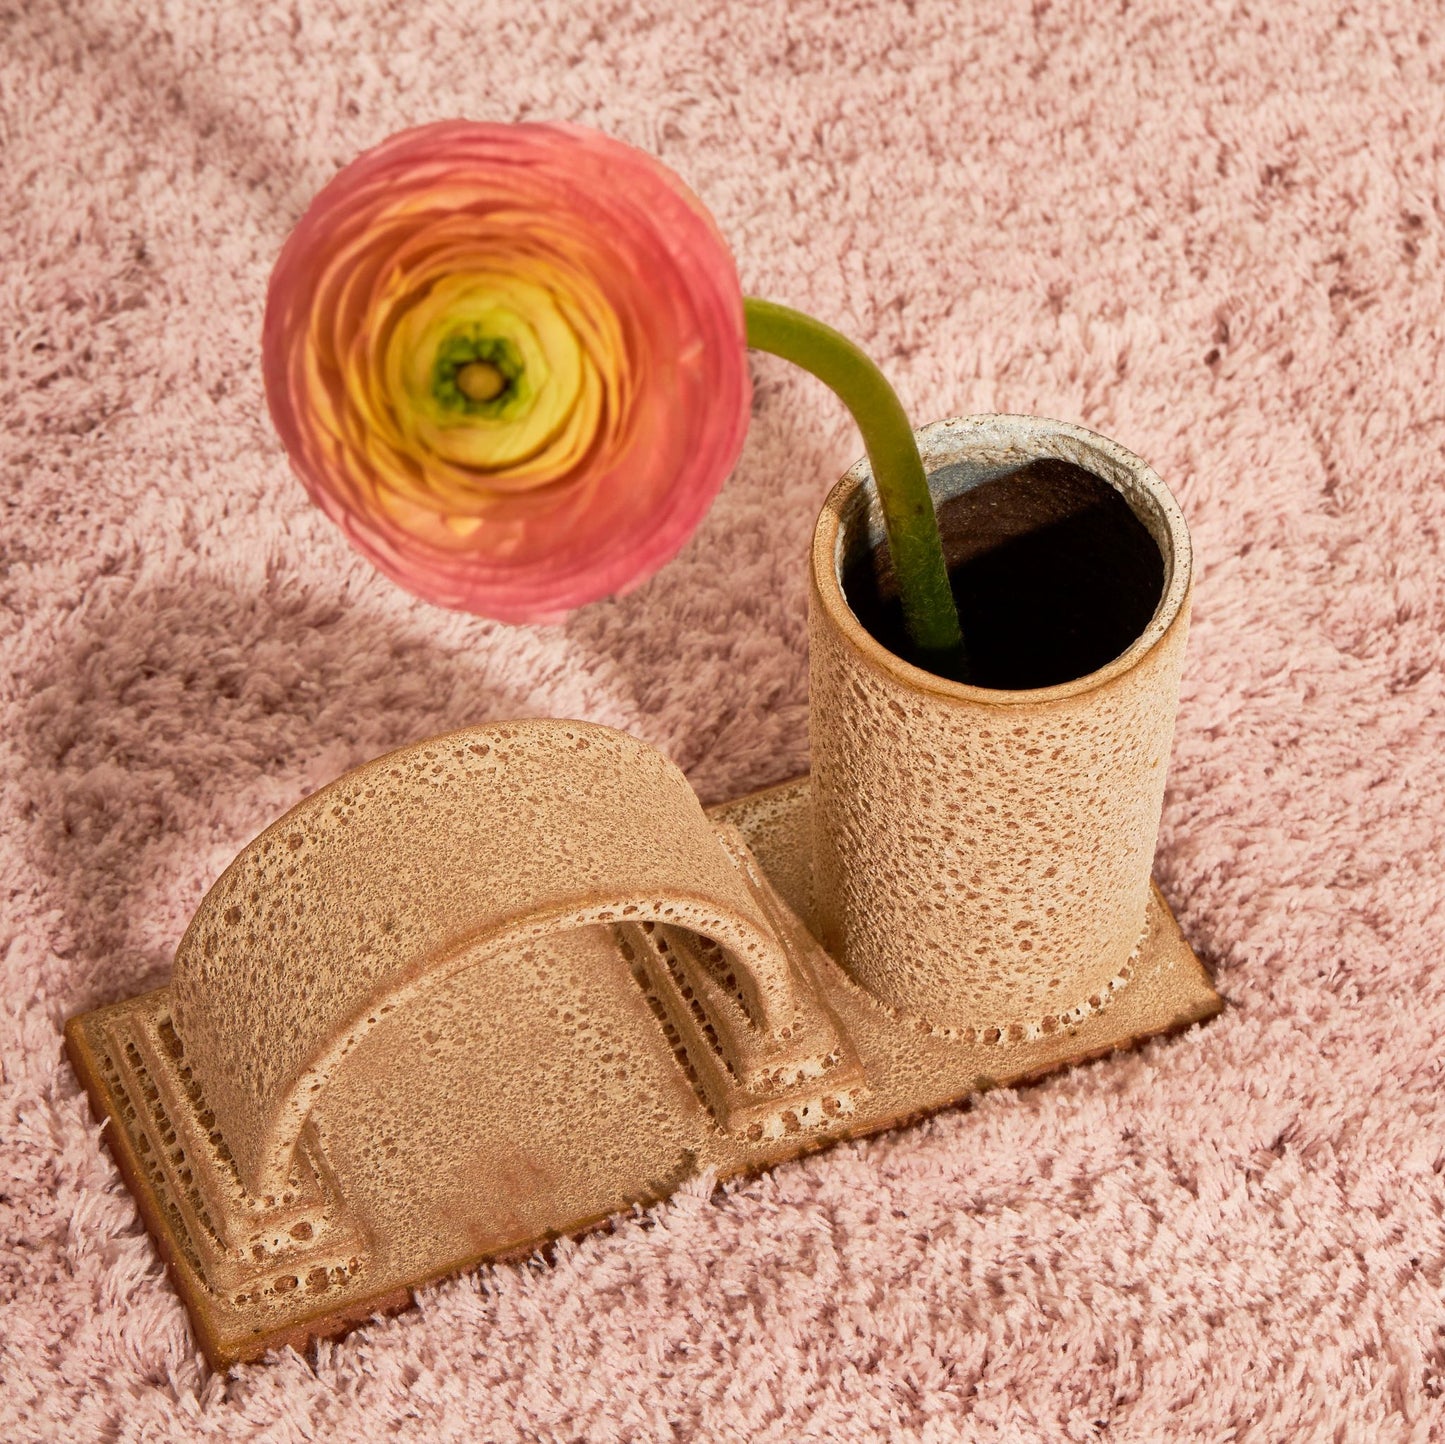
(1008, 440)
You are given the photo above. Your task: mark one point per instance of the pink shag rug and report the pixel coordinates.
(1212, 232)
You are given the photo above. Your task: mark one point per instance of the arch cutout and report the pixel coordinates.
(461, 852)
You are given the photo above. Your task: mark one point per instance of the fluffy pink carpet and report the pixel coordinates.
(1212, 232)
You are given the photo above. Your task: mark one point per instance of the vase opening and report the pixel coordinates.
(1054, 573)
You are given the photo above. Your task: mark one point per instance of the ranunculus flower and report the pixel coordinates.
(509, 361)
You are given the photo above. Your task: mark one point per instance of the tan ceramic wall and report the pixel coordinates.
(983, 858)
(458, 852)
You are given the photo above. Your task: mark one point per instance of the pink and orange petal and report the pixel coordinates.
(513, 244)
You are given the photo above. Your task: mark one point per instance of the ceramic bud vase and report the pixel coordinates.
(498, 985)
(982, 850)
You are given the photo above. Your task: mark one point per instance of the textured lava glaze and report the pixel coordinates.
(982, 856)
(493, 988)
(452, 859)
(498, 985)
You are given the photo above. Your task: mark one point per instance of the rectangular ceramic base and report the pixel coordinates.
(292, 1282)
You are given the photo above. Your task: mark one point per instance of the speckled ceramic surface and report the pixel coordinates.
(499, 985)
(533, 1089)
(983, 856)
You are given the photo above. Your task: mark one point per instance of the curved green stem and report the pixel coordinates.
(914, 542)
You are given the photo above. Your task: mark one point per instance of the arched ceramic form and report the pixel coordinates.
(499, 985)
(450, 856)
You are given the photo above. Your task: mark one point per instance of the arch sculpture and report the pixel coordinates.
(491, 989)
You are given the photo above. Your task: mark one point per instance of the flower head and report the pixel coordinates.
(508, 360)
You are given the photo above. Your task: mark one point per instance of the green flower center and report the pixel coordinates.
(485, 372)
(479, 375)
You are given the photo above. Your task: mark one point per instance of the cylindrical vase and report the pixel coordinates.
(982, 853)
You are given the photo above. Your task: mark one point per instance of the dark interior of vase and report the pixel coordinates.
(1053, 573)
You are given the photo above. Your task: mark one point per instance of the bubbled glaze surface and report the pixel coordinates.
(982, 857)
(423, 864)
(512, 1097)
(501, 984)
